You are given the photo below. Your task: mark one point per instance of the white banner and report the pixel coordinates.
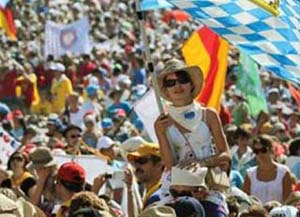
(72, 38)
(147, 110)
(8, 145)
(93, 165)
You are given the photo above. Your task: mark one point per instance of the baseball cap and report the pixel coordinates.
(104, 142)
(144, 150)
(72, 172)
(284, 211)
(92, 89)
(57, 67)
(17, 113)
(106, 123)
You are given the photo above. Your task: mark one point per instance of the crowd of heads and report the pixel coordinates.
(82, 105)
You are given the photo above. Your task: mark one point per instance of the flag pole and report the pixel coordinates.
(150, 67)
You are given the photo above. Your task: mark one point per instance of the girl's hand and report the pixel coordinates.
(163, 122)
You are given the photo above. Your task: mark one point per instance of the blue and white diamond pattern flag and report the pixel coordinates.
(61, 39)
(267, 30)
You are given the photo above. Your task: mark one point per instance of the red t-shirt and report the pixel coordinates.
(8, 85)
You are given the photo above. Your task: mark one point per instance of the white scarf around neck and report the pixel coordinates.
(188, 116)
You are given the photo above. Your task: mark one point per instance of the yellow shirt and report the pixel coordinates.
(44, 108)
(60, 90)
(33, 80)
(64, 209)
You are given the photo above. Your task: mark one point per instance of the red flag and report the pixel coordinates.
(209, 51)
(7, 23)
(295, 94)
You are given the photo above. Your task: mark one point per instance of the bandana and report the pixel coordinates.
(187, 116)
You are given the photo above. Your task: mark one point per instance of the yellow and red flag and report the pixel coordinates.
(7, 23)
(209, 51)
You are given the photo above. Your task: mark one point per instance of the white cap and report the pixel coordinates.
(60, 67)
(133, 143)
(105, 142)
(188, 178)
(57, 67)
(284, 211)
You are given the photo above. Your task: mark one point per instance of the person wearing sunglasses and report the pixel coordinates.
(148, 168)
(269, 180)
(21, 180)
(75, 144)
(186, 131)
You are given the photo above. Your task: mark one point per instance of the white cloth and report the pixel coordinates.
(187, 116)
(267, 191)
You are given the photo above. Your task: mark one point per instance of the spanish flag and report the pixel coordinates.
(209, 51)
(7, 23)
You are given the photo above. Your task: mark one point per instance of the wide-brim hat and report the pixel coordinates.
(41, 157)
(175, 65)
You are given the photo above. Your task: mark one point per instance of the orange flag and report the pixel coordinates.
(7, 23)
(209, 51)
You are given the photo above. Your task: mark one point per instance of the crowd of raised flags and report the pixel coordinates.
(93, 52)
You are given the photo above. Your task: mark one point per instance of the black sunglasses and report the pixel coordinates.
(17, 158)
(182, 79)
(175, 193)
(75, 136)
(260, 150)
(141, 160)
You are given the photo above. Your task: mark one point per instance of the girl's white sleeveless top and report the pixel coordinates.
(200, 141)
(267, 191)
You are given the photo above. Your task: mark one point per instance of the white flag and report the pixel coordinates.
(148, 111)
(72, 38)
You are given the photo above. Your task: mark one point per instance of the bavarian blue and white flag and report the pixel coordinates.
(71, 38)
(154, 4)
(3, 3)
(267, 30)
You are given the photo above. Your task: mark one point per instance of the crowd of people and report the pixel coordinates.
(205, 162)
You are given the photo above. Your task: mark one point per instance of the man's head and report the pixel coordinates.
(72, 134)
(147, 162)
(70, 178)
(107, 147)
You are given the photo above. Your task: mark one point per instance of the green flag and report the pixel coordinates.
(248, 82)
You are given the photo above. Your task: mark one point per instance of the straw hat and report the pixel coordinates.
(158, 211)
(175, 65)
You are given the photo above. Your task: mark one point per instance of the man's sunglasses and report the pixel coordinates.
(75, 136)
(260, 150)
(180, 79)
(141, 160)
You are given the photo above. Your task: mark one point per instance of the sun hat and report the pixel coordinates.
(72, 172)
(175, 65)
(189, 178)
(144, 150)
(158, 211)
(132, 143)
(104, 142)
(41, 157)
(284, 211)
(8, 208)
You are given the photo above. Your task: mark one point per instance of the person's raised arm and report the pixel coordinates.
(161, 125)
